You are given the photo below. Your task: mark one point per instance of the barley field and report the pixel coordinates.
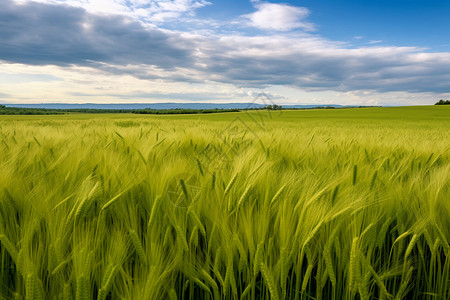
(314, 204)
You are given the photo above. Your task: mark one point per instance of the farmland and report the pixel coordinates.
(314, 204)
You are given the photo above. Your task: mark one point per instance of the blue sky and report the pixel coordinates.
(394, 22)
(298, 52)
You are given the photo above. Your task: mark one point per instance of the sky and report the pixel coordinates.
(349, 52)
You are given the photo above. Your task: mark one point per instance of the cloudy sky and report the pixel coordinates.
(379, 52)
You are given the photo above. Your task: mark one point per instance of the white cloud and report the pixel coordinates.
(153, 11)
(278, 17)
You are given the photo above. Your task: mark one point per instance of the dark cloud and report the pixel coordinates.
(323, 66)
(42, 34)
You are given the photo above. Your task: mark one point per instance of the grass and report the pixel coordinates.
(331, 204)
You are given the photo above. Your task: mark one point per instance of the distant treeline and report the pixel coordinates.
(181, 111)
(443, 102)
(44, 111)
(28, 111)
(52, 111)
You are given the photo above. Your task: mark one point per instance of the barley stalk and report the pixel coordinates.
(138, 246)
(353, 267)
(258, 258)
(154, 211)
(197, 221)
(6, 243)
(230, 185)
(355, 174)
(269, 281)
(277, 195)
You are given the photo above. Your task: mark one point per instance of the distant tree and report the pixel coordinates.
(2, 106)
(442, 102)
(273, 107)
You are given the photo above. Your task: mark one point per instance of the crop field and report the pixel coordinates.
(313, 204)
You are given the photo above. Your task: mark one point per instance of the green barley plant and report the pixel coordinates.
(317, 204)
